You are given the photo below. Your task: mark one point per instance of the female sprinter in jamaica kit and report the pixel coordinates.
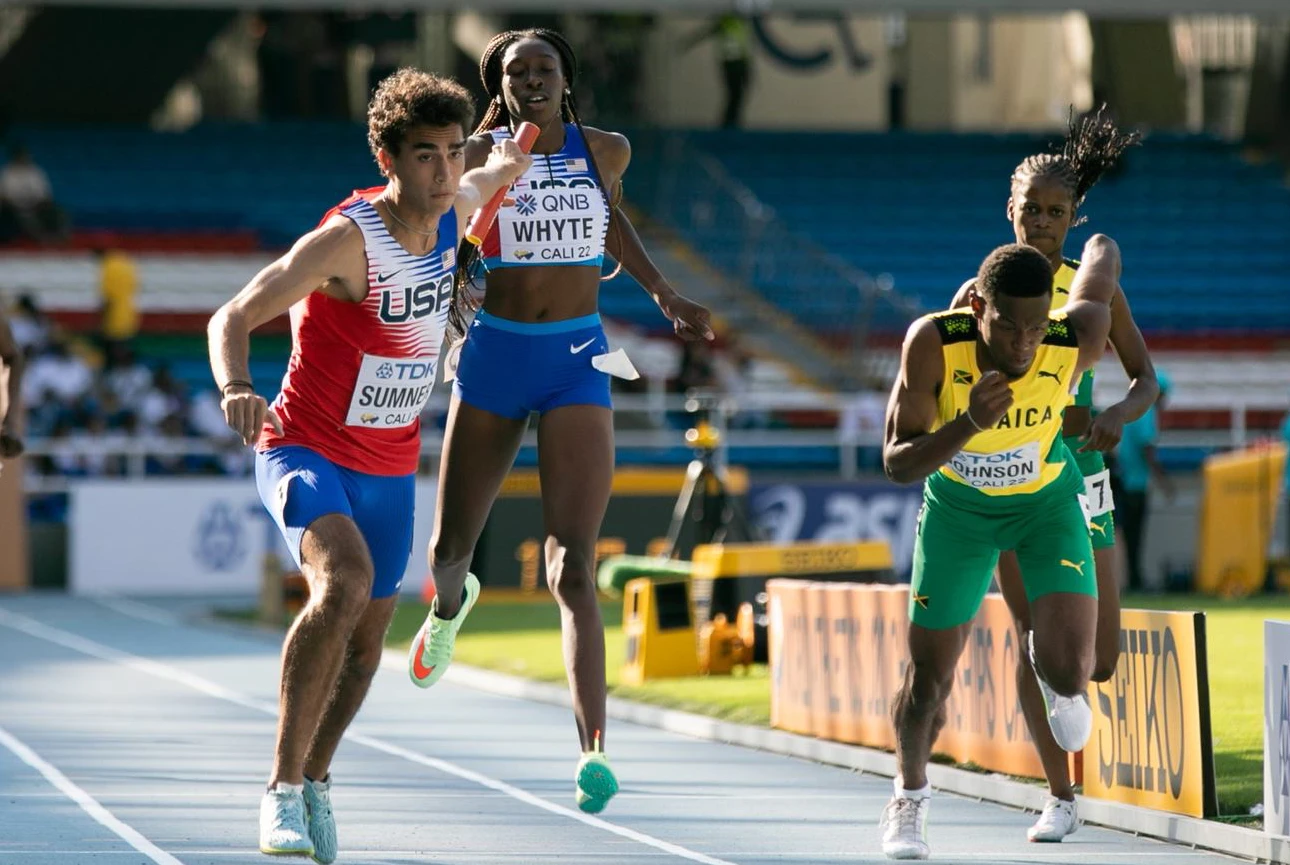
(1047, 192)
(538, 346)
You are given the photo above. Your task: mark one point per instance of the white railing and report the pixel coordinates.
(649, 410)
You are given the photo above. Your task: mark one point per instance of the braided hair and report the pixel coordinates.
(1092, 147)
(490, 73)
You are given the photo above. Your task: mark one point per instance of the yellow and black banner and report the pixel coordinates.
(1151, 742)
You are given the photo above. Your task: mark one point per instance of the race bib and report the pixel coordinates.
(1097, 494)
(390, 391)
(1014, 467)
(552, 226)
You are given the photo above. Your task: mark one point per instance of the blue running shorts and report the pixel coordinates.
(511, 368)
(298, 486)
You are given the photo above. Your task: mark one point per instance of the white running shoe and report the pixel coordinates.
(431, 651)
(1070, 718)
(904, 828)
(282, 822)
(1058, 819)
(322, 825)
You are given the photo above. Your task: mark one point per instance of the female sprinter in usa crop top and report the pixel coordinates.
(538, 346)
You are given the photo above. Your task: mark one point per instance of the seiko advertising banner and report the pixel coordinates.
(1151, 743)
(831, 511)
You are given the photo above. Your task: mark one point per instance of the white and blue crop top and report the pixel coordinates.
(559, 215)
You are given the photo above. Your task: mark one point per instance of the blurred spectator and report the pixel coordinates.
(734, 48)
(31, 328)
(127, 380)
(57, 376)
(27, 207)
(118, 290)
(206, 419)
(1137, 466)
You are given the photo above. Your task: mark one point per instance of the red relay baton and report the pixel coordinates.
(525, 135)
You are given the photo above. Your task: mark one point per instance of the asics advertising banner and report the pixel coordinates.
(839, 652)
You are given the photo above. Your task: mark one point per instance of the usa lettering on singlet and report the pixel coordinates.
(559, 214)
(361, 373)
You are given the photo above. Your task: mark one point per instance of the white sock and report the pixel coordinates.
(283, 785)
(924, 792)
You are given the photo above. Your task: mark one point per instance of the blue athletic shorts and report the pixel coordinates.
(511, 368)
(298, 486)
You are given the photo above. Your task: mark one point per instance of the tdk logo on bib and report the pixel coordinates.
(410, 303)
(390, 392)
(1011, 468)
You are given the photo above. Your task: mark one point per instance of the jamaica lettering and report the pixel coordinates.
(1023, 418)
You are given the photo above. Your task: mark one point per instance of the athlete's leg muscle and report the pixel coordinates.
(337, 565)
(478, 451)
(1107, 653)
(919, 708)
(576, 462)
(362, 660)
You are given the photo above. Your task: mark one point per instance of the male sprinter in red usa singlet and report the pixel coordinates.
(369, 292)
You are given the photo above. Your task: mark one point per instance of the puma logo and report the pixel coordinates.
(1079, 569)
(1055, 376)
(1101, 529)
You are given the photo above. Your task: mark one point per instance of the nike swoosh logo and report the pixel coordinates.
(419, 669)
(576, 349)
(386, 277)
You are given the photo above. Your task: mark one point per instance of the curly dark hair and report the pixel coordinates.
(409, 98)
(1092, 147)
(1014, 270)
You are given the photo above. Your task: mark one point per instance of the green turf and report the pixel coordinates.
(523, 639)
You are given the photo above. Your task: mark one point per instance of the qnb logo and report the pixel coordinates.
(220, 543)
(526, 204)
(410, 303)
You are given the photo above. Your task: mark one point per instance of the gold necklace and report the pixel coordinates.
(390, 206)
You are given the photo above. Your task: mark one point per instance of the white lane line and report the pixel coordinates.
(88, 803)
(136, 610)
(77, 643)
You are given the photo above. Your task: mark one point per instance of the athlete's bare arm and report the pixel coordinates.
(502, 165)
(613, 154)
(963, 296)
(1089, 309)
(1108, 426)
(912, 451)
(330, 259)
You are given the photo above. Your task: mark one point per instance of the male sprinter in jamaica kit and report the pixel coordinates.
(977, 411)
